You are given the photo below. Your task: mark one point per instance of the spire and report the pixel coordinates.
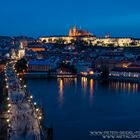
(75, 30)
(21, 45)
(71, 32)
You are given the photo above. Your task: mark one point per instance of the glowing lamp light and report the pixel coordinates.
(20, 79)
(35, 103)
(125, 65)
(40, 117)
(37, 109)
(8, 111)
(8, 98)
(25, 86)
(84, 73)
(91, 72)
(9, 105)
(7, 86)
(8, 120)
(31, 97)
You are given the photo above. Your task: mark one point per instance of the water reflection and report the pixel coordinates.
(91, 87)
(75, 85)
(61, 91)
(124, 86)
(99, 109)
(84, 83)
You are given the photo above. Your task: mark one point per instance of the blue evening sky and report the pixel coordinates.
(54, 17)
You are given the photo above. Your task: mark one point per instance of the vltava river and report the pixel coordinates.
(77, 106)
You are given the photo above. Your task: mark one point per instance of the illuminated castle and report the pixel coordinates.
(75, 32)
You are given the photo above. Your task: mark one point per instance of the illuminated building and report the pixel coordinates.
(112, 42)
(129, 72)
(21, 51)
(39, 66)
(74, 34)
(36, 47)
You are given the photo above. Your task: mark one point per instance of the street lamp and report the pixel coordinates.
(31, 97)
(40, 117)
(8, 98)
(8, 120)
(35, 103)
(9, 105)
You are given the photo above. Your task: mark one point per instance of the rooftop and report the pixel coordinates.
(39, 62)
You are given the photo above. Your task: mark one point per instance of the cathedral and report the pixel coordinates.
(75, 32)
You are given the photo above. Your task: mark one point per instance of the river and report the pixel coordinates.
(77, 106)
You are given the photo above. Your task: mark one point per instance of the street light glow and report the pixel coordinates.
(9, 105)
(40, 117)
(7, 120)
(31, 96)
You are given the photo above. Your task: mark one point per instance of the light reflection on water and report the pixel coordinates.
(126, 87)
(61, 91)
(89, 86)
(84, 84)
(75, 106)
(91, 91)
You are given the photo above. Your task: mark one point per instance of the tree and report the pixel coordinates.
(67, 67)
(59, 41)
(50, 40)
(73, 41)
(21, 65)
(44, 41)
(105, 72)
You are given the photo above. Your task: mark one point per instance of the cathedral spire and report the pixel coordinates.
(71, 32)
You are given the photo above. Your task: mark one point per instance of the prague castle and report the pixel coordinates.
(76, 32)
(83, 35)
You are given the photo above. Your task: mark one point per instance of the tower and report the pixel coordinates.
(71, 32)
(21, 51)
(75, 31)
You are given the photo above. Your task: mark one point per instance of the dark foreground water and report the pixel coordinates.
(77, 106)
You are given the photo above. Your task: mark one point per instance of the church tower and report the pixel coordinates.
(21, 51)
(75, 31)
(71, 32)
